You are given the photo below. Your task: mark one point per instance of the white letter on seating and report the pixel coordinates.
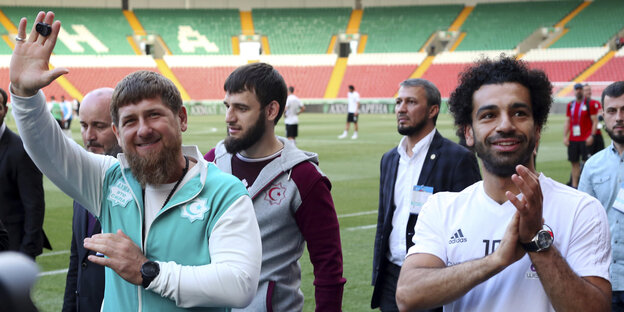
(82, 35)
(191, 39)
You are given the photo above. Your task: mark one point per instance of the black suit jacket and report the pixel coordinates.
(84, 288)
(22, 203)
(448, 166)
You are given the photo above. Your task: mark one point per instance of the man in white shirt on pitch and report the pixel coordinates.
(353, 108)
(294, 107)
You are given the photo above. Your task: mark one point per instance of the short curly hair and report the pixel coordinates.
(505, 69)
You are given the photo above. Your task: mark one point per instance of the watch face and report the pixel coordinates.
(150, 269)
(544, 239)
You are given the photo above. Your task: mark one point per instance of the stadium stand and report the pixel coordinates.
(488, 27)
(53, 89)
(100, 55)
(447, 66)
(593, 26)
(300, 31)
(197, 31)
(309, 74)
(89, 72)
(562, 65)
(5, 49)
(378, 75)
(84, 30)
(405, 28)
(203, 76)
(612, 71)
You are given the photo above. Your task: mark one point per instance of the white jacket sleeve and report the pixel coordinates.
(75, 171)
(231, 279)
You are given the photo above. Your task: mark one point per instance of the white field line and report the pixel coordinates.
(49, 273)
(54, 253)
(355, 214)
(363, 227)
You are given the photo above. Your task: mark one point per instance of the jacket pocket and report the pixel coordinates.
(600, 180)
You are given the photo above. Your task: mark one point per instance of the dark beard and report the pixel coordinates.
(113, 151)
(154, 168)
(504, 166)
(413, 129)
(619, 139)
(253, 135)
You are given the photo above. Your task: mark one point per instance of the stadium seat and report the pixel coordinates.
(85, 31)
(493, 26)
(593, 26)
(197, 31)
(404, 28)
(300, 31)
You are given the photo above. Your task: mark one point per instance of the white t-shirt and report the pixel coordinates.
(354, 98)
(459, 227)
(156, 194)
(293, 107)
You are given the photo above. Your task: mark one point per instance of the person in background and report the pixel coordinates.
(84, 286)
(353, 109)
(598, 144)
(294, 107)
(22, 200)
(291, 195)
(602, 178)
(581, 122)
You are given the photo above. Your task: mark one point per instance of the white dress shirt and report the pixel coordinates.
(407, 177)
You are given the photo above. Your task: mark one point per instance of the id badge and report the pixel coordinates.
(619, 199)
(420, 194)
(576, 130)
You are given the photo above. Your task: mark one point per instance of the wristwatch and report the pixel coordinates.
(542, 240)
(149, 271)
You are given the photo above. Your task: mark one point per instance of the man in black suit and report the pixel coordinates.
(424, 163)
(84, 289)
(22, 203)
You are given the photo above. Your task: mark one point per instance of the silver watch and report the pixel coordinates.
(541, 241)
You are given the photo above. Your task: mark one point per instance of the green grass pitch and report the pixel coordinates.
(351, 165)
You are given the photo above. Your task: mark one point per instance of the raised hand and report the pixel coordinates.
(122, 255)
(530, 206)
(29, 70)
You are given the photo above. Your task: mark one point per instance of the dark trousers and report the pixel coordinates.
(387, 300)
(617, 301)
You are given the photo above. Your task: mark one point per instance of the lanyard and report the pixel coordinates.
(184, 171)
(580, 110)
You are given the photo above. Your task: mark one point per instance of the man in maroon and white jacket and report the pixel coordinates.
(291, 195)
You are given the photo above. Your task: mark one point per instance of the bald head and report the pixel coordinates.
(95, 122)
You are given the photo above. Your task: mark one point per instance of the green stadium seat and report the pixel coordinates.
(405, 28)
(88, 31)
(593, 26)
(493, 26)
(193, 32)
(300, 31)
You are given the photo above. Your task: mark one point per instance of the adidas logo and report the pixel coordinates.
(457, 238)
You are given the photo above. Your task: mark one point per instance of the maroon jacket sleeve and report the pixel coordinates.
(317, 220)
(210, 156)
